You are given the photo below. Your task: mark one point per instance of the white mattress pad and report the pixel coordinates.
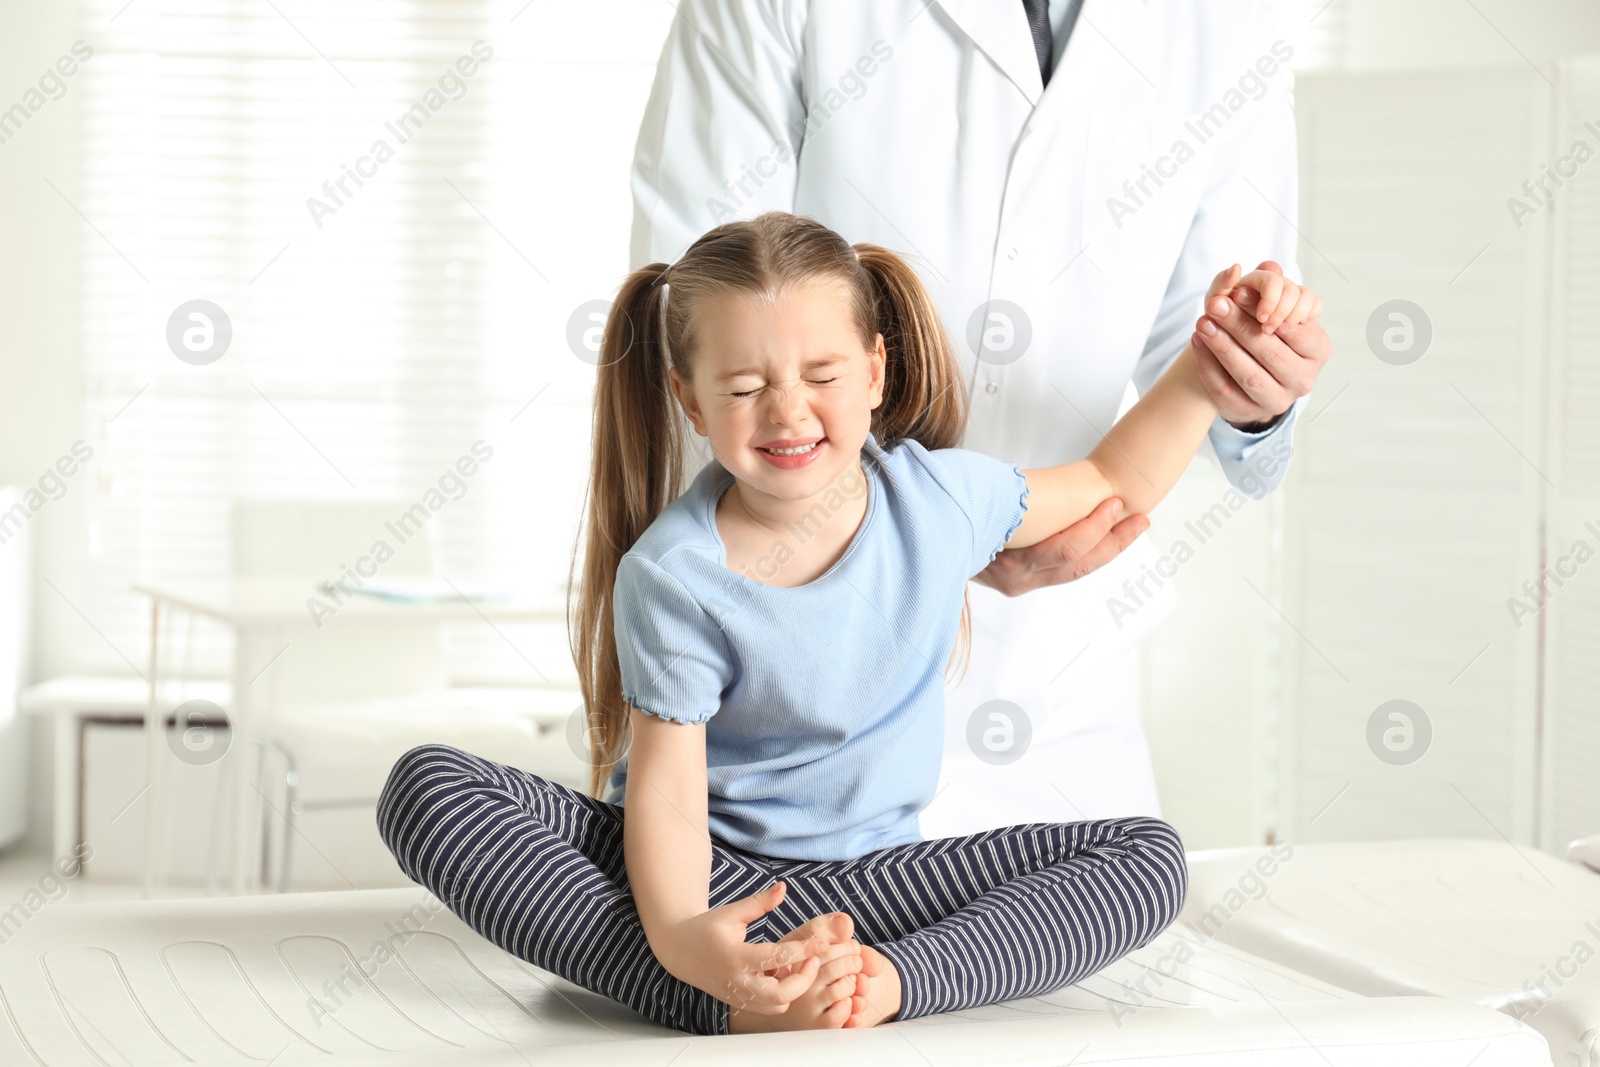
(389, 977)
(1482, 922)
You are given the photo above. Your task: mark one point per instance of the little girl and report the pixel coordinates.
(761, 657)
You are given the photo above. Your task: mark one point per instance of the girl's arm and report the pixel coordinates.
(666, 842)
(1141, 458)
(666, 845)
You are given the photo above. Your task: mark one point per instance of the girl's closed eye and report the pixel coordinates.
(752, 392)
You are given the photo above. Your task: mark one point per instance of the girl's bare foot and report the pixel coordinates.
(824, 1006)
(880, 991)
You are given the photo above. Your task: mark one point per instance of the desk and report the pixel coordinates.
(263, 613)
(70, 704)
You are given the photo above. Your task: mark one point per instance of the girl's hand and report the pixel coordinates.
(1296, 304)
(1273, 300)
(709, 952)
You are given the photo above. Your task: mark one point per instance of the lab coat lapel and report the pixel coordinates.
(1110, 58)
(1110, 55)
(1000, 29)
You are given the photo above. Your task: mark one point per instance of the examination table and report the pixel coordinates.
(390, 977)
(1479, 922)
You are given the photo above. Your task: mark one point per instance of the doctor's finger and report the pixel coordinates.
(1233, 377)
(1086, 546)
(1249, 343)
(1222, 389)
(1226, 279)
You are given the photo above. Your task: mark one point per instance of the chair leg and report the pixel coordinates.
(224, 776)
(291, 781)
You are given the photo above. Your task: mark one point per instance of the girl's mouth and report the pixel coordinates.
(793, 459)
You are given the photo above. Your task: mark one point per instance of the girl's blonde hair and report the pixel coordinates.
(640, 436)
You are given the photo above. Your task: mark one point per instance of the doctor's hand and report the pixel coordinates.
(1085, 546)
(1254, 375)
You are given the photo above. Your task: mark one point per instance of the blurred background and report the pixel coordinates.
(1401, 642)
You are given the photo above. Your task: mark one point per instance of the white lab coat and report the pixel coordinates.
(923, 127)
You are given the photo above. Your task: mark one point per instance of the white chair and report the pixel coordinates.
(346, 702)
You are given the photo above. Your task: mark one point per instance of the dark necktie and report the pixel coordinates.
(1039, 24)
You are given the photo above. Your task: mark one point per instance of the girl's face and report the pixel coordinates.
(784, 375)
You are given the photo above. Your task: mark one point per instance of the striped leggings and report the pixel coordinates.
(537, 868)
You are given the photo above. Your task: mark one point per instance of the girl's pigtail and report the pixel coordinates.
(636, 470)
(924, 396)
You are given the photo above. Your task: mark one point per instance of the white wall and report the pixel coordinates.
(41, 411)
(1412, 34)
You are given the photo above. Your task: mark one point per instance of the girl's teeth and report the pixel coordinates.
(790, 451)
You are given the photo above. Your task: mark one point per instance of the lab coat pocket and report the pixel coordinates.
(1141, 187)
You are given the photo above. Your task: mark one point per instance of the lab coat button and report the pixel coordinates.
(992, 388)
(1011, 254)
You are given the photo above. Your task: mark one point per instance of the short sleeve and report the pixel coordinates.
(674, 656)
(992, 493)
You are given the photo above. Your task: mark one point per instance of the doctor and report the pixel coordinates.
(1067, 231)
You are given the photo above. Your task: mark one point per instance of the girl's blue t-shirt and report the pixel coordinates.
(823, 703)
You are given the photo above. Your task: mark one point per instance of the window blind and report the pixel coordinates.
(396, 206)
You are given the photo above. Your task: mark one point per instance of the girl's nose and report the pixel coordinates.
(788, 403)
